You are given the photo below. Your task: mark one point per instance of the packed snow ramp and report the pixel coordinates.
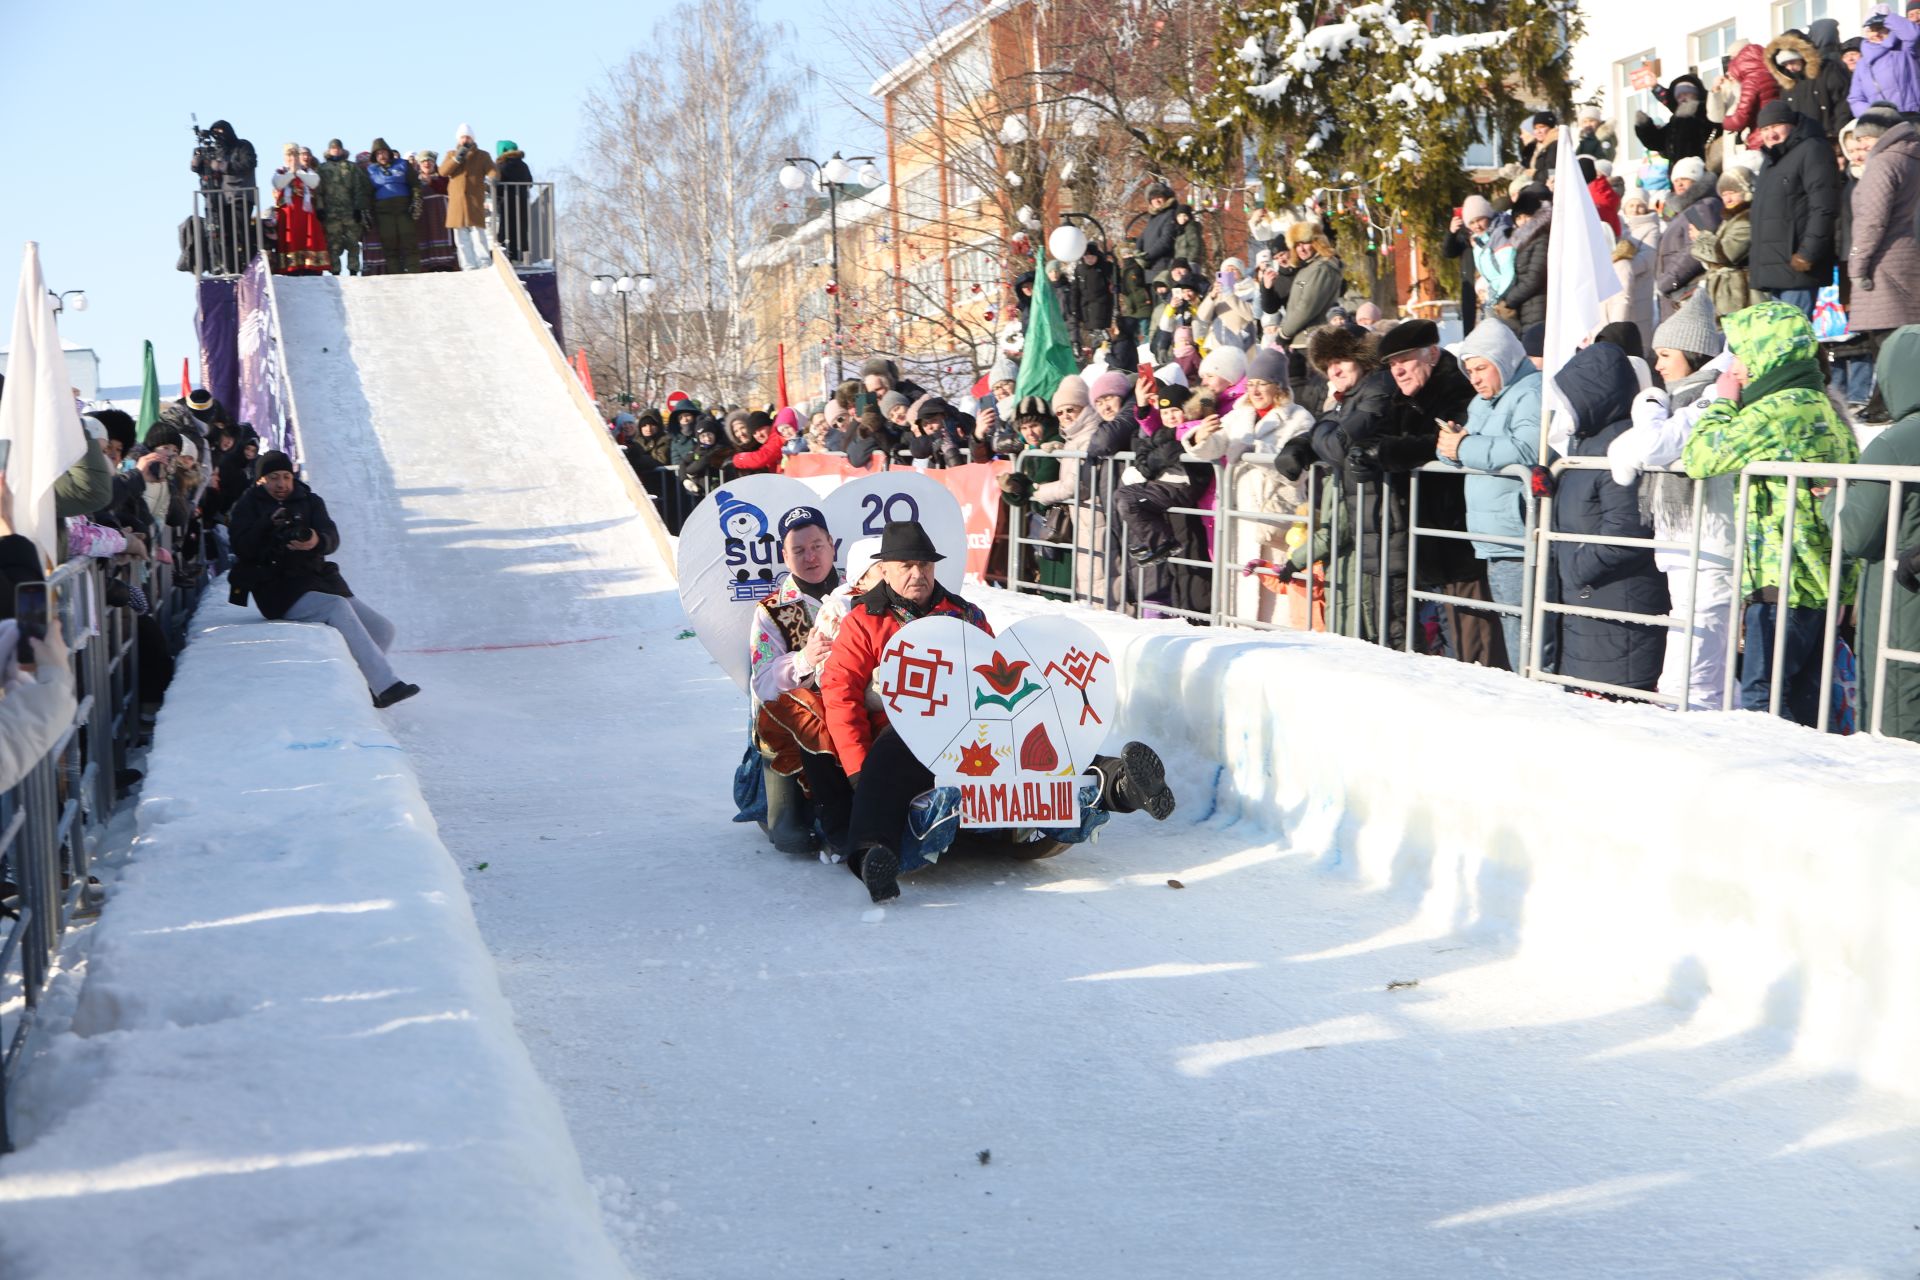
(478, 497)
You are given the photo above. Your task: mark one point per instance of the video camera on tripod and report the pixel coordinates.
(209, 158)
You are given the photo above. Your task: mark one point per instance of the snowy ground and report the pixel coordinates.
(1213, 1079)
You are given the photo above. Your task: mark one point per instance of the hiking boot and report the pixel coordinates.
(1141, 783)
(398, 691)
(879, 869)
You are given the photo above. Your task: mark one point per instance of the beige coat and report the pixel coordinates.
(467, 187)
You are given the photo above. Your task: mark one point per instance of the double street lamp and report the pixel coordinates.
(640, 282)
(79, 297)
(831, 175)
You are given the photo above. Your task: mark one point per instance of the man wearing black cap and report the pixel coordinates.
(1796, 206)
(940, 434)
(1161, 231)
(885, 774)
(785, 657)
(1542, 152)
(282, 536)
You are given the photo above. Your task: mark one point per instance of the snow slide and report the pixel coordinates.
(284, 1051)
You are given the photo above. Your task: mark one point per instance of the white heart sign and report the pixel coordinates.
(729, 561)
(861, 509)
(1033, 704)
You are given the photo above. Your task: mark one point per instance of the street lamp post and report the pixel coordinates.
(79, 297)
(832, 174)
(640, 282)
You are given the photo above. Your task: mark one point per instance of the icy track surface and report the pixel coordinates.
(1068, 1068)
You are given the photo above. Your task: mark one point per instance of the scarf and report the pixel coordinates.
(883, 599)
(818, 590)
(1793, 375)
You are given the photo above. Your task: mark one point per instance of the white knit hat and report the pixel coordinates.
(1228, 363)
(464, 131)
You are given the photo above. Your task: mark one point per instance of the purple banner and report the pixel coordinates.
(544, 288)
(259, 354)
(217, 323)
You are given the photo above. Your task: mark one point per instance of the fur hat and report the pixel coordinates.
(1736, 178)
(1342, 342)
(1409, 335)
(1303, 232)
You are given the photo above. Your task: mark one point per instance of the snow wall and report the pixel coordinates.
(290, 1055)
(1752, 872)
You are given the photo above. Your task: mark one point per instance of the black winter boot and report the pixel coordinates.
(879, 869)
(1135, 779)
(787, 824)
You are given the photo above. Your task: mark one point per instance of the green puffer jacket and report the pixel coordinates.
(1782, 415)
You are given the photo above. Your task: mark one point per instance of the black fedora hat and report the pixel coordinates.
(906, 540)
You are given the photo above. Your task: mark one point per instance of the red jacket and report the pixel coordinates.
(1606, 202)
(765, 457)
(1757, 88)
(864, 636)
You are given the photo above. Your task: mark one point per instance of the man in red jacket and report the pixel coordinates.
(767, 450)
(885, 774)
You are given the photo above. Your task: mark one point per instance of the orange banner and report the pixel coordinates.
(801, 465)
(976, 487)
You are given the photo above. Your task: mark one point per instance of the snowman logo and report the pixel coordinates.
(750, 550)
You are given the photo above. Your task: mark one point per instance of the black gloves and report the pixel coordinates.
(1906, 570)
(1295, 456)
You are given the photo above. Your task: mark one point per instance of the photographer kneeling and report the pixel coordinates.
(282, 536)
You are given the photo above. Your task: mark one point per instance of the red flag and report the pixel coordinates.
(784, 400)
(186, 386)
(586, 375)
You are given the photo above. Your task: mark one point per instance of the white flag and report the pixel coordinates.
(1580, 277)
(38, 413)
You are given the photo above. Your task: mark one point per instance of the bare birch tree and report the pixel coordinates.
(681, 143)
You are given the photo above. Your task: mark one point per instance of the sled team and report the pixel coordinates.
(837, 775)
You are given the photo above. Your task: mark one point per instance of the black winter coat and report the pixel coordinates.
(1093, 290)
(1796, 209)
(275, 575)
(1156, 241)
(1527, 293)
(1681, 136)
(1600, 385)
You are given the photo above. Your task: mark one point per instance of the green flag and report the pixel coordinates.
(1048, 355)
(149, 398)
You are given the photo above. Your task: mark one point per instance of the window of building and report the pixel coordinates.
(969, 71)
(1796, 14)
(968, 170)
(975, 265)
(920, 198)
(1708, 48)
(1631, 101)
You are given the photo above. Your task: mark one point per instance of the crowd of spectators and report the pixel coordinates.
(378, 212)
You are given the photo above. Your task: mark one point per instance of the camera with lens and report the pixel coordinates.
(289, 528)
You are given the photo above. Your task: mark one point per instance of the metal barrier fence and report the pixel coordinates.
(524, 223)
(53, 821)
(223, 231)
(1363, 510)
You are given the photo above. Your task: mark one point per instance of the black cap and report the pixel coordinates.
(906, 540)
(1409, 335)
(1533, 340)
(801, 518)
(932, 407)
(1779, 111)
(271, 461)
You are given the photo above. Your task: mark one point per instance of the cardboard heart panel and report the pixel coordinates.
(729, 561)
(862, 507)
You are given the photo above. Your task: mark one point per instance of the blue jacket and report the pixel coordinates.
(389, 181)
(1501, 432)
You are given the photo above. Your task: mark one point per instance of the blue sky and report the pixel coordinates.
(96, 96)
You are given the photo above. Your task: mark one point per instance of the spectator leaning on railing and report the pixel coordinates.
(36, 699)
(282, 536)
(1863, 536)
(1776, 410)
